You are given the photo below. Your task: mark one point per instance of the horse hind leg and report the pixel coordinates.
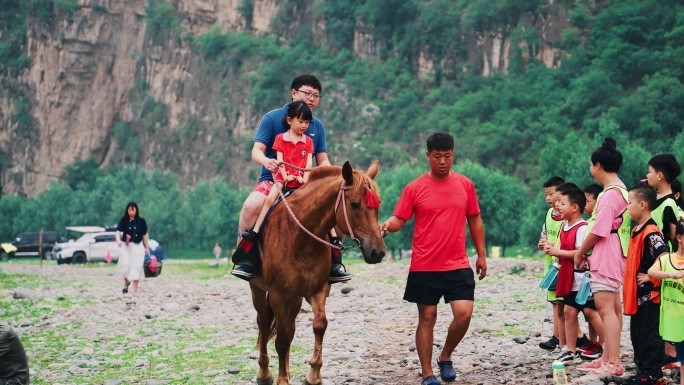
(320, 324)
(265, 322)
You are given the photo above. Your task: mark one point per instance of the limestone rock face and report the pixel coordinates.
(94, 71)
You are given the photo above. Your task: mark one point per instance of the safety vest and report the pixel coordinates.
(634, 256)
(671, 304)
(553, 228)
(565, 274)
(659, 212)
(625, 227)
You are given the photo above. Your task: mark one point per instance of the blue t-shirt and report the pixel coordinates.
(136, 228)
(272, 124)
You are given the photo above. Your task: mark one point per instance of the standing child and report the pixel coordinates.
(608, 237)
(292, 147)
(670, 270)
(217, 252)
(662, 170)
(641, 296)
(550, 232)
(572, 203)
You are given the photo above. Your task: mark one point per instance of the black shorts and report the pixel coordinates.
(427, 287)
(570, 301)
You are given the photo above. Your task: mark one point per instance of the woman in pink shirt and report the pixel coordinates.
(607, 262)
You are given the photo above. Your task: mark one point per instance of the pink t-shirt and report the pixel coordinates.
(607, 258)
(441, 208)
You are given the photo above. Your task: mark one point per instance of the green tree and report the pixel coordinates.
(82, 173)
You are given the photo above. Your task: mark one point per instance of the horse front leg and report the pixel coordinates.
(285, 314)
(264, 321)
(320, 324)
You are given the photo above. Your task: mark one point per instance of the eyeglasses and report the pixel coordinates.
(310, 95)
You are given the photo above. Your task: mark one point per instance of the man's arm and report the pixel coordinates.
(391, 225)
(477, 234)
(259, 157)
(322, 159)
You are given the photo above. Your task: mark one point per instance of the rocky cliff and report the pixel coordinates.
(103, 83)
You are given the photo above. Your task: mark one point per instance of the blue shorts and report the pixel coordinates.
(427, 287)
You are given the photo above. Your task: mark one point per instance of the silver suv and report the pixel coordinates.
(90, 247)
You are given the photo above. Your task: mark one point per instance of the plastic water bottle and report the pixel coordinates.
(584, 290)
(559, 375)
(550, 277)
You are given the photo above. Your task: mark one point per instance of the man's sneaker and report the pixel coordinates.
(430, 380)
(640, 379)
(243, 272)
(551, 344)
(591, 352)
(338, 275)
(446, 370)
(568, 357)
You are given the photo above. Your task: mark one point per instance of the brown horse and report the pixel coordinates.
(295, 266)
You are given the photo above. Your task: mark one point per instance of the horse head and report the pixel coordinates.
(362, 204)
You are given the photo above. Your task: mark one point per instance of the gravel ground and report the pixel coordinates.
(370, 336)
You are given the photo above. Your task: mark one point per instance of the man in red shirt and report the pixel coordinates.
(442, 202)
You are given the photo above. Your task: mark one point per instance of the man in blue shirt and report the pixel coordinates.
(306, 88)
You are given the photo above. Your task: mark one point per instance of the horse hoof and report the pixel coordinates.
(265, 381)
(308, 381)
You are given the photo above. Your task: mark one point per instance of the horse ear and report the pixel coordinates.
(373, 169)
(348, 174)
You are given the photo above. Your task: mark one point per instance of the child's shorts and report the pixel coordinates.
(570, 301)
(679, 348)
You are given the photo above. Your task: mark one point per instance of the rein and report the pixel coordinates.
(340, 196)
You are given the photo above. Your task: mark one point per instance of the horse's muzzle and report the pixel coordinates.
(374, 256)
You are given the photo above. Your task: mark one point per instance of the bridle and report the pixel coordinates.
(340, 198)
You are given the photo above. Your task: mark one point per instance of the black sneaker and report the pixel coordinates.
(250, 235)
(640, 379)
(583, 342)
(339, 275)
(551, 344)
(243, 272)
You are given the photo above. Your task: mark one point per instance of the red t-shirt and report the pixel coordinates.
(294, 153)
(441, 208)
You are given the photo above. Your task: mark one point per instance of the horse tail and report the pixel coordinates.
(271, 319)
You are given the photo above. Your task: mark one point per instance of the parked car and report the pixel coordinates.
(90, 247)
(30, 244)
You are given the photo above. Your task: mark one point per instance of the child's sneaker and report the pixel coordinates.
(592, 351)
(568, 357)
(591, 365)
(551, 344)
(639, 379)
(609, 368)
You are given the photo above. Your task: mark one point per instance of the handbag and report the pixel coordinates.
(152, 267)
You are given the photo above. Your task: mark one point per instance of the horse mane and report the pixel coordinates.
(361, 180)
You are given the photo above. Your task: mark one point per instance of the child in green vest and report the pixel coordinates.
(662, 170)
(550, 232)
(670, 270)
